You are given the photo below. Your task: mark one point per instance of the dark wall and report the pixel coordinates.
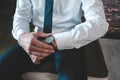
(7, 8)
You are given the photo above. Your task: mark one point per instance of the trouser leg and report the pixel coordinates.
(71, 64)
(14, 63)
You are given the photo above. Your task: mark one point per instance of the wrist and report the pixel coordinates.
(55, 45)
(49, 40)
(20, 38)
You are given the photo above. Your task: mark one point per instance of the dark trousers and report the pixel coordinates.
(70, 64)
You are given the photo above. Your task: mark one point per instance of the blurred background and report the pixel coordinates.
(95, 58)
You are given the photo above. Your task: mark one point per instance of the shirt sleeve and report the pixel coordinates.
(93, 28)
(22, 18)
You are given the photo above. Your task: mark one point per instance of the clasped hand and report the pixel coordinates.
(37, 50)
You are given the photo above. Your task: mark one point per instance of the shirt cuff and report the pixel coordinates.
(64, 41)
(17, 33)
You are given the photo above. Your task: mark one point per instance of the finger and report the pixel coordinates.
(40, 50)
(40, 54)
(36, 60)
(41, 34)
(40, 58)
(33, 58)
(40, 44)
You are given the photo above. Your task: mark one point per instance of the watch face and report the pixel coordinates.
(49, 40)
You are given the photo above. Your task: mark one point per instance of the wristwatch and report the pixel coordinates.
(48, 40)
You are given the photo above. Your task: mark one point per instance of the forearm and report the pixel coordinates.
(93, 28)
(22, 18)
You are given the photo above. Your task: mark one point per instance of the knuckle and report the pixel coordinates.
(44, 46)
(35, 33)
(32, 40)
(45, 51)
(42, 50)
(40, 43)
(42, 55)
(29, 49)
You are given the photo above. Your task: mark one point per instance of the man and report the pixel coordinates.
(67, 39)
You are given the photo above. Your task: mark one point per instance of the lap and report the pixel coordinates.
(15, 60)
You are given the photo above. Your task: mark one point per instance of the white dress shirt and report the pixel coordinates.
(68, 30)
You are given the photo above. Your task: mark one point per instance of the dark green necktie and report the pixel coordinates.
(48, 16)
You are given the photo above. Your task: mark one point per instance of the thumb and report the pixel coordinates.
(41, 34)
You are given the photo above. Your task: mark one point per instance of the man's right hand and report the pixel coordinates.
(36, 49)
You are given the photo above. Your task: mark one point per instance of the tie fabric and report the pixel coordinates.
(48, 16)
